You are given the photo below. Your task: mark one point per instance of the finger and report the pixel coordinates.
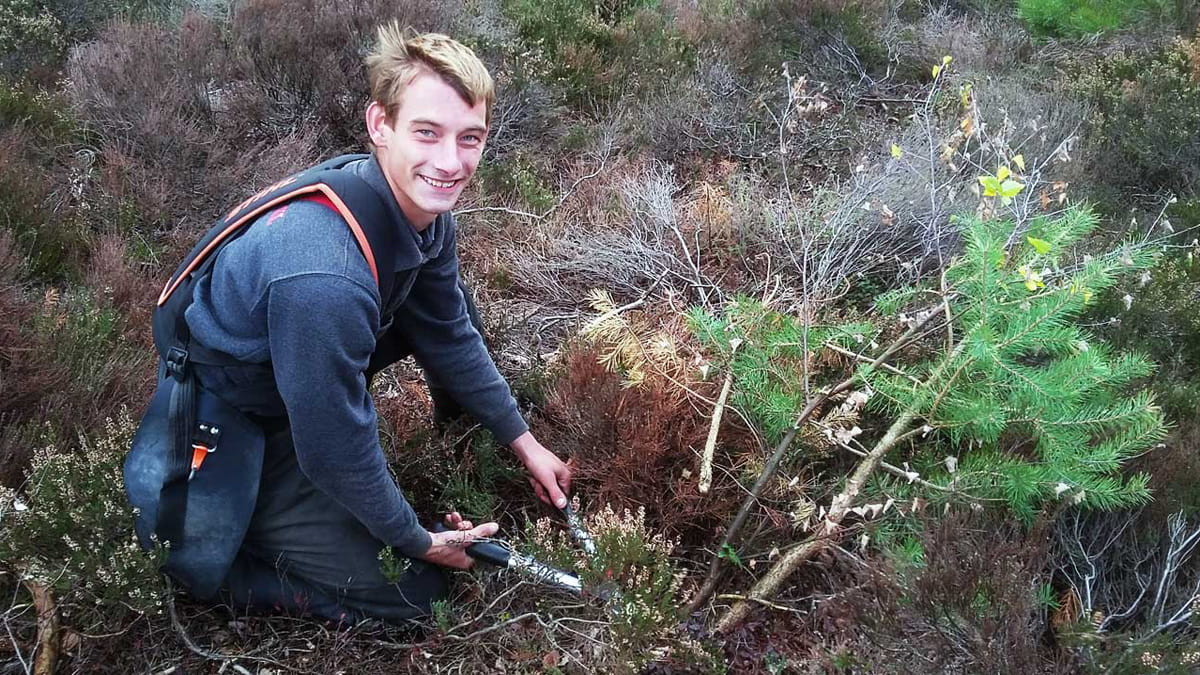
(486, 530)
(453, 519)
(557, 496)
(539, 490)
(465, 525)
(564, 479)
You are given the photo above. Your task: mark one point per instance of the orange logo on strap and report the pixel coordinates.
(260, 194)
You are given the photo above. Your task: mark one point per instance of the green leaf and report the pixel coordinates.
(1011, 188)
(1040, 245)
(991, 186)
(897, 151)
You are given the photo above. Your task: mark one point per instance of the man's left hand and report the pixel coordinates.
(549, 475)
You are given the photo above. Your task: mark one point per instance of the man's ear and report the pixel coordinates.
(379, 129)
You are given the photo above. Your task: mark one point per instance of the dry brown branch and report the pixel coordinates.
(48, 637)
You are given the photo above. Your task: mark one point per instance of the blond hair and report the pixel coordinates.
(398, 59)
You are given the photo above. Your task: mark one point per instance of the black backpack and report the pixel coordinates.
(184, 424)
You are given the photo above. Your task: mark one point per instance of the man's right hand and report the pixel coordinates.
(449, 547)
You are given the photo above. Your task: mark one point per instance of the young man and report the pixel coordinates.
(294, 301)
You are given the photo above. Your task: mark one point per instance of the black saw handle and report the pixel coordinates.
(487, 551)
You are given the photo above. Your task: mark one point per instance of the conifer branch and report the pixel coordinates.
(772, 465)
(1020, 359)
(899, 430)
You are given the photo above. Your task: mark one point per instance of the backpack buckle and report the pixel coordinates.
(177, 360)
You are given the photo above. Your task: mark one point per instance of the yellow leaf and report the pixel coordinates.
(968, 126)
(1002, 173)
(1032, 279)
(947, 59)
(1039, 245)
(897, 152)
(1019, 160)
(936, 70)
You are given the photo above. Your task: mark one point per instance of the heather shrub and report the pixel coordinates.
(595, 52)
(632, 572)
(35, 36)
(1156, 315)
(69, 528)
(1144, 133)
(30, 35)
(68, 362)
(975, 599)
(86, 339)
(758, 36)
(192, 116)
(49, 246)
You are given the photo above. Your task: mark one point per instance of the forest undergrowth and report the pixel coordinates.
(867, 327)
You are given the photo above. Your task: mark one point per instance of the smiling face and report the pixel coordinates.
(430, 147)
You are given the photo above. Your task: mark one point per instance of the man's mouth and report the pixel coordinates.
(440, 184)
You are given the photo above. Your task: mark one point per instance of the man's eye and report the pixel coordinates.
(427, 133)
(472, 139)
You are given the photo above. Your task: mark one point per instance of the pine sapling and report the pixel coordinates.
(1037, 408)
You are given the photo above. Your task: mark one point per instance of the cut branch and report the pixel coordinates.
(710, 445)
(897, 433)
(48, 638)
(839, 507)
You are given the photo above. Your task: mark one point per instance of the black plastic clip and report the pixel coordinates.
(177, 360)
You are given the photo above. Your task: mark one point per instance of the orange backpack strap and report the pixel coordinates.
(375, 222)
(373, 219)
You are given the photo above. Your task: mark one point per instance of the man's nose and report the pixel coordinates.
(446, 160)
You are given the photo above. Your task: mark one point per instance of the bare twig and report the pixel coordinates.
(890, 368)
(764, 603)
(710, 445)
(200, 651)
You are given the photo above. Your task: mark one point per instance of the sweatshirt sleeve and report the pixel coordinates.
(435, 322)
(322, 332)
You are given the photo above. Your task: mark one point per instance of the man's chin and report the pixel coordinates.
(437, 206)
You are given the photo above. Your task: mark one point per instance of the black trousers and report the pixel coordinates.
(305, 553)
